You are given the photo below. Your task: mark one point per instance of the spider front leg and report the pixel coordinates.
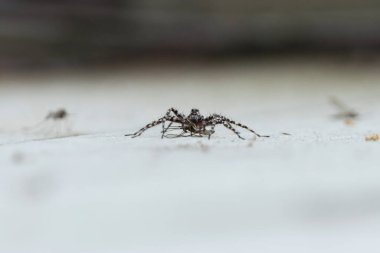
(152, 124)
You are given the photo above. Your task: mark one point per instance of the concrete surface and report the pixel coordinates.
(94, 190)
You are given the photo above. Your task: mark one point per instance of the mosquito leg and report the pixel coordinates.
(164, 130)
(163, 126)
(175, 135)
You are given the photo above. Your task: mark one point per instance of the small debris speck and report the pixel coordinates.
(349, 122)
(372, 137)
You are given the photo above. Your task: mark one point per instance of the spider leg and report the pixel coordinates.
(232, 129)
(212, 130)
(224, 119)
(152, 124)
(177, 118)
(175, 112)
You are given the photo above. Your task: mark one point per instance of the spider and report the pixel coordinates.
(193, 125)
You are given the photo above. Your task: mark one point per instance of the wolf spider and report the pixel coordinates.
(193, 125)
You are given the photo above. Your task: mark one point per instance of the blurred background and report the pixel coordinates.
(77, 184)
(69, 33)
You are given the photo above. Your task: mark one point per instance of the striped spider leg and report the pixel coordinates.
(176, 118)
(219, 119)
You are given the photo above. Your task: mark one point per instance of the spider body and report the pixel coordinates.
(195, 125)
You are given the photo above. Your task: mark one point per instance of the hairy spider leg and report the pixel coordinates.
(175, 112)
(152, 124)
(162, 120)
(224, 119)
(212, 130)
(232, 129)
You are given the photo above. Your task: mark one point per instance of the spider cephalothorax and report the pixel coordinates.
(194, 122)
(192, 125)
(195, 116)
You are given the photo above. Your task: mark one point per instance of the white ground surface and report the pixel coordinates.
(317, 190)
